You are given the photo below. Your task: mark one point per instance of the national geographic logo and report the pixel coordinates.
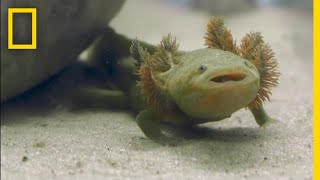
(33, 12)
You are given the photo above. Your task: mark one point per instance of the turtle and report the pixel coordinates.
(64, 30)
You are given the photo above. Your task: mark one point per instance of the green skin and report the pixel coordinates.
(207, 85)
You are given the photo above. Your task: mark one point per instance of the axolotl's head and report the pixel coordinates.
(212, 83)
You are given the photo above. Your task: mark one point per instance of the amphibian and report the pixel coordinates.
(189, 88)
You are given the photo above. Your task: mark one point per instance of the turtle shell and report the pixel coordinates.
(64, 29)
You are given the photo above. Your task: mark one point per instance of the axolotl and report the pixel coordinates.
(189, 88)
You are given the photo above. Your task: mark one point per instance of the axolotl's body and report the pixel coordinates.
(188, 88)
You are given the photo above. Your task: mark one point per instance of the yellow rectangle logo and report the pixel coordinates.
(33, 12)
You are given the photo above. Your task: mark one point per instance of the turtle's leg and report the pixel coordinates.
(97, 98)
(261, 117)
(111, 54)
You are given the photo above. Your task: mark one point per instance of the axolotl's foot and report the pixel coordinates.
(150, 125)
(262, 118)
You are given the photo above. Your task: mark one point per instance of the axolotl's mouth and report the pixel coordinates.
(236, 76)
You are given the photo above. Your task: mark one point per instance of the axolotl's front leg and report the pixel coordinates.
(152, 123)
(261, 117)
(149, 123)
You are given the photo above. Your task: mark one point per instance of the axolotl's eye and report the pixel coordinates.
(202, 68)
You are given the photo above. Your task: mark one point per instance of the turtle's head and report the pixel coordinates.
(212, 83)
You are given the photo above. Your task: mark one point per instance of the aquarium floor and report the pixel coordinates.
(42, 138)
